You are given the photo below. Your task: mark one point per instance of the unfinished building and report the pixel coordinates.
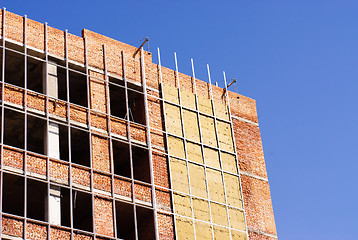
(99, 142)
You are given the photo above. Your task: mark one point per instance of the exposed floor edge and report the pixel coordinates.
(253, 175)
(262, 233)
(245, 120)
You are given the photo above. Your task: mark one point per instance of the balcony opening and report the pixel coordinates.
(14, 68)
(82, 211)
(80, 147)
(36, 134)
(140, 158)
(78, 88)
(145, 222)
(117, 98)
(121, 159)
(13, 194)
(35, 74)
(125, 221)
(14, 123)
(136, 107)
(36, 199)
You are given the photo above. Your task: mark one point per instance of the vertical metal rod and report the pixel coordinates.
(236, 158)
(130, 144)
(110, 140)
(219, 151)
(166, 139)
(154, 200)
(47, 130)
(69, 132)
(2, 116)
(25, 135)
(184, 141)
(202, 146)
(90, 138)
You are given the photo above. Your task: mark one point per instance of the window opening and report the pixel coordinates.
(140, 158)
(121, 159)
(14, 68)
(13, 194)
(36, 199)
(14, 123)
(80, 148)
(78, 88)
(125, 221)
(82, 211)
(117, 98)
(35, 71)
(145, 222)
(36, 134)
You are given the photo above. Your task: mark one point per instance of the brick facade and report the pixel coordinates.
(105, 55)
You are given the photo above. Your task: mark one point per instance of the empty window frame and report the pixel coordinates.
(56, 70)
(14, 128)
(82, 211)
(125, 221)
(121, 159)
(78, 87)
(36, 134)
(145, 223)
(118, 101)
(14, 68)
(13, 194)
(140, 159)
(35, 74)
(117, 98)
(80, 147)
(136, 105)
(36, 199)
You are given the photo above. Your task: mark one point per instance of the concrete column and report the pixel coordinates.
(52, 146)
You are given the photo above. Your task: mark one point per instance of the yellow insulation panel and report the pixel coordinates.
(176, 147)
(205, 105)
(221, 110)
(237, 235)
(208, 130)
(229, 162)
(232, 187)
(225, 137)
(216, 186)
(219, 214)
(203, 231)
(171, 93)
(237, 219)
(201, 209)
(211, 157)
(187, 99)
(172, 119)
(179, 175)
(221, 233)
(182, 204)
(194, 152)
(185, 228)
(191, 125)
(197, 180)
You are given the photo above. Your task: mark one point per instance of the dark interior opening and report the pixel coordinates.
(82, 211)
(125, 221)
(121, 159)
(136, 107)
(78, 88)
(36, 199)
(1, 64)
(61, 83)
(14, 123)
(36, 134)
(64, 153)
(14, 68)
(35, 74)
(80, 147)
(13, 194)
(117, 98)
(145, 222)
(65, 207)
(140, 158)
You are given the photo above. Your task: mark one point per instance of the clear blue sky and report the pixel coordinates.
(298, 59)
